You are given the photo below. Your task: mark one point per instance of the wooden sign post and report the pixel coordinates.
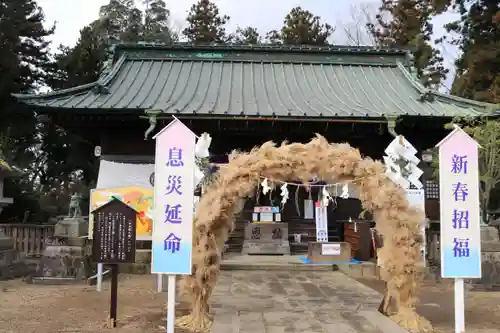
(114, 237)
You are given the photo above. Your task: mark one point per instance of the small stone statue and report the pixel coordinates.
(74, 206)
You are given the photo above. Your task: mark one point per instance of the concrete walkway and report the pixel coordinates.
(296, 302)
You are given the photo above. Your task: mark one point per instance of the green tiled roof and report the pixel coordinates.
(230, 81)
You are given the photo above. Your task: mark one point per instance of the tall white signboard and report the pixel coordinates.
(460, 214)
(321, 223)
(173, 207)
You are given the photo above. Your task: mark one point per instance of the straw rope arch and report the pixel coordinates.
(332, 163)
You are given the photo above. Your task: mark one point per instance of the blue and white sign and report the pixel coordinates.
(173, 200)
(459, 204)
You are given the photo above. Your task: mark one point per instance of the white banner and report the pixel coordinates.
(459, 206)
(173, 200)
(321, 223)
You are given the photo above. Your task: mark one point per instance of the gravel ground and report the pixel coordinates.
(482, 314)
(28, 308)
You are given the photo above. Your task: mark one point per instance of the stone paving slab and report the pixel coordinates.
(296, 302)
(233, 261)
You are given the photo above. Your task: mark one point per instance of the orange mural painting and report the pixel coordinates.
(141, 199)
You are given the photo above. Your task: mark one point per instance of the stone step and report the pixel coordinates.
(16, 270)
(236, 235)
(234, 244)
(235, 249)
(362, 270)
(299, 248)
(268, 263)
(52, 281)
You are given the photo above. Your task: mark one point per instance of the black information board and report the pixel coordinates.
(114, 233)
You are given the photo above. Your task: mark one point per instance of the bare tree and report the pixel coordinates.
(355, 31)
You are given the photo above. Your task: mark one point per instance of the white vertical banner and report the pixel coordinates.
(173, 200)
(460, 215)
(459, 206)
(416, 199)
(321, 223)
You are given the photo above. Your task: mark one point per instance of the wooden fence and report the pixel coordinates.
(29, 239)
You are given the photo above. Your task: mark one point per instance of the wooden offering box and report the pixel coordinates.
(329, 252)
(359, 237)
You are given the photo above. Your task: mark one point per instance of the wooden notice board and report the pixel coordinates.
(114, 233)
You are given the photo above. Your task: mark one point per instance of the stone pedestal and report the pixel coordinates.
(65, 253)
(490, 258)
(72, 227)
(8, 255)
(6, 242)
(266, 238)
(142, 263)
(11, 265)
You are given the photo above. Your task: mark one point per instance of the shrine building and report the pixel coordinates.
(244, 96)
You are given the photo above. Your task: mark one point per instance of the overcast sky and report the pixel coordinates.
(262, 14)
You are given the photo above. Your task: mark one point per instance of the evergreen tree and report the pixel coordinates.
(301, 27)
(206, 24)
(120, 21)
(156, 23)
(24, 67)
(478, 66)
(134, 27)
(409, 27)
(82, 63)
(248, 35)
(62, 155)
